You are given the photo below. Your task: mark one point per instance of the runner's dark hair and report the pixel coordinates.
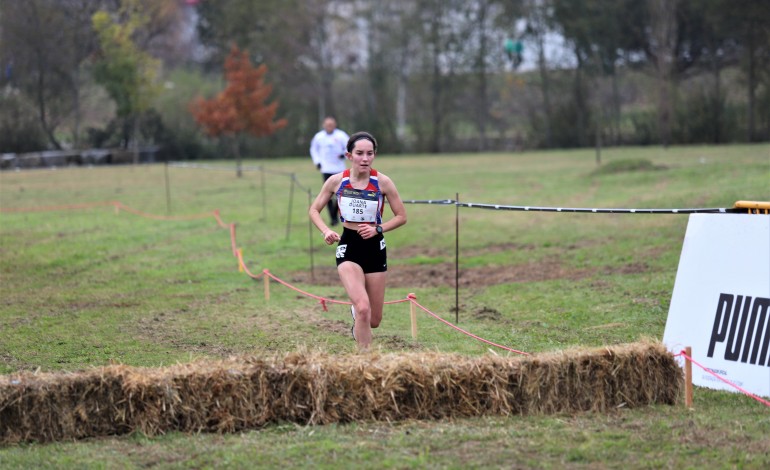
(361, 136)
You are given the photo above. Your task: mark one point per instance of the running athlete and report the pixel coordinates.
(327, 149)
(362, 261)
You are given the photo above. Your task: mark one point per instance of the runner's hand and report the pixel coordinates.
(367, 231)
(330, 236)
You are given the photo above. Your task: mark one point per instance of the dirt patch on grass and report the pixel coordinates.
(606, 326)
(628, 165)
(333, 326)
(15, 364)
(165, 328)
(160, 329)
(431, 252)
(629, 268)
(443, 274)
(342, 327)
(487, 313)
(408, 252)
(393, 342)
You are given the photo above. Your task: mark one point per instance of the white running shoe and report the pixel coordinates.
(353, 328)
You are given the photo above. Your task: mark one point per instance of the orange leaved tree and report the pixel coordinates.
(241, 107)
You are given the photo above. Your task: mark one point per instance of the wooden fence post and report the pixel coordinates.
(267, 285)
(413, 315)
(688, 378)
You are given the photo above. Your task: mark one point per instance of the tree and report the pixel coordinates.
(576, 28)
(442, 31)
(674, 42)
(719, 51)
(165, 31)
(241, 107)
(47, 43)
(595, 31)
(751, 23)
(304, 41)
(538, 14)
(83, 43)
(662, 49)
(483, 16)
(127, 73)
(383, 110)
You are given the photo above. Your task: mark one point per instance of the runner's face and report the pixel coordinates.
(362, 155)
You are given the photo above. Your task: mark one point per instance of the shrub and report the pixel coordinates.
(19, 128)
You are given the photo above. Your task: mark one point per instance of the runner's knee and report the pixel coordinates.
(363, 311)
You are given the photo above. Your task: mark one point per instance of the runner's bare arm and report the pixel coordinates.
(326, 193)
(396, 204)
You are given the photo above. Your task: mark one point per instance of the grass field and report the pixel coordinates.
(82, 288)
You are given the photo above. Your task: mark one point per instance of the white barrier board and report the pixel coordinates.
(721, 300)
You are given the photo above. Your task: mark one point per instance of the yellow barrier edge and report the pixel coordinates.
(752, 205)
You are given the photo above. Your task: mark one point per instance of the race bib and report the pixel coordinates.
(358, 205)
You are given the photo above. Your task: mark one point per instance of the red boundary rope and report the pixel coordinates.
(322, 300)
(736, 386)
(118, 206)
(242, 265)
(412, 299)
(87, 205)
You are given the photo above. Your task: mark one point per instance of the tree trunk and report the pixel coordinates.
(544, 88)
(44, 122)
(326, 106)
(76, 105)
(401, 89)
(580, 107)
(237, 152)
(752, 83)
(599, 117)
(401, 107)
(435, 147)
(321, 108)
(482, 91)
(717, 100)
(598, 144)
(78, 45)
(664, 33)
(436, 89)
(47, 128)
(328, 94)
(664, 110)
(615, 108)
(135, 138)
(43, 66)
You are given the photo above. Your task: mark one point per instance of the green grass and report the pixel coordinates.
(82, 288)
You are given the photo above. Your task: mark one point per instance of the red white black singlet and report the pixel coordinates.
(360, 205)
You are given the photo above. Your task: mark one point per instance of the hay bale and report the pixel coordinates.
(313, 388)
(49, 407)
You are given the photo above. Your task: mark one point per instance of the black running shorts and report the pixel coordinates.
(370, 254)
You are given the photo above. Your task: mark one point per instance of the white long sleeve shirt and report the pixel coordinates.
(326, 150)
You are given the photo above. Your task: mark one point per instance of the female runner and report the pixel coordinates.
(362, 261)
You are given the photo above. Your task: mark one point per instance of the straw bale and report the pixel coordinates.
(313, 388)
